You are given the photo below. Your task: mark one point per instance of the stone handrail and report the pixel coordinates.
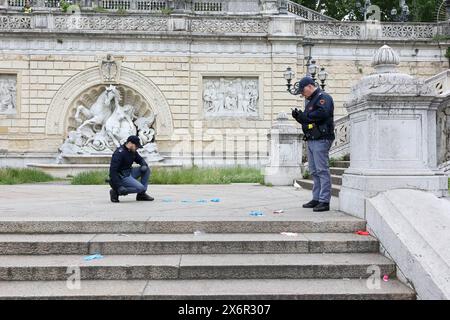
(306, 13)
(341, 145)
(440, 83)
(370, 30)
(93, 22)
(217, 24)
(197, 6)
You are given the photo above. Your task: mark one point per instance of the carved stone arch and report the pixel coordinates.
(60, 114)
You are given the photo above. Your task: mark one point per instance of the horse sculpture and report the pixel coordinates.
(100, 111)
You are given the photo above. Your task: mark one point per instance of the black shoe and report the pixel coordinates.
(113, 195)
(322, 206)
(311, 204)
(143, 197)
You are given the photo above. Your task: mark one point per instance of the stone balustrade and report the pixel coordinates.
(322, 30)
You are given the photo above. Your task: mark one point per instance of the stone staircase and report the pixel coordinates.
(337, 170)
(164, 259)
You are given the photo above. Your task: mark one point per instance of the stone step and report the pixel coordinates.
(333, 222)
(308, 185)
(335, 179)
(219, 266)
(267, 289)
(341, 164)
(337, 171)
(141, 244)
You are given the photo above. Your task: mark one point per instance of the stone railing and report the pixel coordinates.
(305, 12)
(370, 30)
(168, 6)
(90, 22)
(440, 83)
(89, 5)
(341, 145)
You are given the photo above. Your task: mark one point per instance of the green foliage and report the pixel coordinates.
(447, 53)
(23, 175)
(332, 162)
(306, 174)
(166, 11)
(192, 175)
(420, 10)
(64, 5)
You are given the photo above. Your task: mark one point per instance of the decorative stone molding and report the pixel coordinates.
(59, 114)
(331, 30)
(341, 145)
(386, 80)
(369, 30)
(8, 93)
(231, 97)
(408, 31)
(110, 22)
(110, 69)
(13, 22)
(236, 25)
(315, 26)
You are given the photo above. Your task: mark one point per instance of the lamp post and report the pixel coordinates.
(363, 9)
(323, 75)
(307, 49)
(403, 16)
(313, 70)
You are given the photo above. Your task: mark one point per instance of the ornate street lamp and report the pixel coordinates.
(363, 9)
(403, 16)
(313, 70)
(289, 75)
(323, 75)
(307, 52)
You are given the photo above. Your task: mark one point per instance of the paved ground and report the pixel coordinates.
(173, 202)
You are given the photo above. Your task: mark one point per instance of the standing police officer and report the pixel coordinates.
(123, 178)
(318, 128)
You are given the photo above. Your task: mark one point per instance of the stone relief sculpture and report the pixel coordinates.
(8, 94)
(105, 125)
(230, 97)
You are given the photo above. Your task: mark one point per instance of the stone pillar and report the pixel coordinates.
(285, 153)
(392, 136)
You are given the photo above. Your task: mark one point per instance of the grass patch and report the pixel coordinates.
(23, 175)
(192, 175)
(90, 178)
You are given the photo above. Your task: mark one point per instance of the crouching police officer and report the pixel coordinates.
(318, 128)
(123, 178)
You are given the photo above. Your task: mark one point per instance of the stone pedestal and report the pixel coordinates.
(285, 153)
(392, 136)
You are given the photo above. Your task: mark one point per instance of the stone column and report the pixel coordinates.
(392, 136)
(285, 153)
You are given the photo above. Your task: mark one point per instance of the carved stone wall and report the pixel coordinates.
(230, 97)
(8, 93)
